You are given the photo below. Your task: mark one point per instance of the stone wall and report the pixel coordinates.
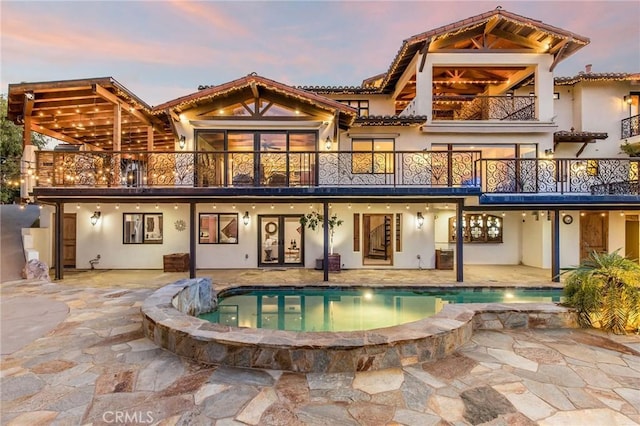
(166, 323)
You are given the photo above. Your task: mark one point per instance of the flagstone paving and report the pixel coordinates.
(96, 367)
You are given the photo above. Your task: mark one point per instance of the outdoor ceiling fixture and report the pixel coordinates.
(245, 218)
(419, 220)
(95, 217)
(328, 143)
(182, 142)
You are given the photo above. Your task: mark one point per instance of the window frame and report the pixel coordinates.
(144, 230)
(218, 228)
(388, 156)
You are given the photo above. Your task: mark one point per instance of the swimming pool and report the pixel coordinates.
(353, 308)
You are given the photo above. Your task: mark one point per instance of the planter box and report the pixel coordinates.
(176, 262)
(335, 263)
(444, 259)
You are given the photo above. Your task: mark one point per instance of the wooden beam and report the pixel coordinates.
(27, 107)
(254, 90)
(26, 131)
(442, 42)
(117, 127)
(517, 39)
(52, 133)
(558, 56)
(150, 138)
(107, 95)
(424, 51)
(491, 24)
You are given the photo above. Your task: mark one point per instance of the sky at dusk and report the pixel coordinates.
(161, 50)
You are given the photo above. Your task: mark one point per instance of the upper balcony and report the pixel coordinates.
(503, 108)
(630, 127)
(331, 172)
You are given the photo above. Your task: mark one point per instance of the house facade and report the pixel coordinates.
(469, 125)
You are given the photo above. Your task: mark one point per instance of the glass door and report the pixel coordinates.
(280, 240)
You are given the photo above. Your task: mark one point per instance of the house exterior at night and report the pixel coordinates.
(469, 125)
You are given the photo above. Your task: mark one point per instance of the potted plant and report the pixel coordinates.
(605, 291)
(312, 221)
(632, 150)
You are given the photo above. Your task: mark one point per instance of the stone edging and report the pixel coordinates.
(325, 352)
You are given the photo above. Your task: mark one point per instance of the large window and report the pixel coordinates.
(361, 105)
(218, 228)
(526, 150)
(142, 228)
(372, 156)
(477, 228)
(256, 158)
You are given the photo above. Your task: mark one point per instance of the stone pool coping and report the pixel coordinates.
(169, 322)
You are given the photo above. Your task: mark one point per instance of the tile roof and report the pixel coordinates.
(390, 120)
(597, 76)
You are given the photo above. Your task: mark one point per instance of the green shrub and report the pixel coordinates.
(605, 291)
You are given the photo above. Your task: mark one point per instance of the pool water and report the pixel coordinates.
(350, 309)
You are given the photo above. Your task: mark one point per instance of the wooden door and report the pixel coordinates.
(594, 233)
(69, 240)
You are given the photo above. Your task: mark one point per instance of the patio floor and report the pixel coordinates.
(95, 366)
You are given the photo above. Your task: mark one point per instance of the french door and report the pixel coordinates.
(280, 240)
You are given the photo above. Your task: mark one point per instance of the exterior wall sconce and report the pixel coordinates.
(328, 143)
(95, 217)
(182, 142)
(419, 220)
(548, 152)
(245, 218)
(628, 100)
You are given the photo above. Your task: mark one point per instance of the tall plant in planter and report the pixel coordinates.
(605, 291)
(314, 219)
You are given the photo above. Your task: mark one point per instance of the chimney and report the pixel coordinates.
(587, 68)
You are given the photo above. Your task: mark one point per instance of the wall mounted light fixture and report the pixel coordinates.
(628, 100)
(328, 143)
(548, 152)
(95, 217)
(245, 218)
(182, 142)
(419, 220)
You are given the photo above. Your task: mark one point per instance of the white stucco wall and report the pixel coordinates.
(536, 245)
(508, 252)
(105, 238)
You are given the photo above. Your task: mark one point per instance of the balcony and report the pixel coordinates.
(604, 176)
(630, 127)
(254, 169)
(502, 108)
(461, 172)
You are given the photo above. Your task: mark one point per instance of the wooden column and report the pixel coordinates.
(59, 242)
(117, 143)
(193, 230)
(555, 247)
(459, 237)
(149, 138)
(26, 132)
(325, 229)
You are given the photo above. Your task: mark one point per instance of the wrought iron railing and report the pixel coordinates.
(578, 176)
(233, 169)
(256, 169)
(507, 108)
(630, 127)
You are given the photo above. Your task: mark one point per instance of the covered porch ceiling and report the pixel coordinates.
(83, 112)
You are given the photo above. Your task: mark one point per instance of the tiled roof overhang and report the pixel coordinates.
(413, 44)
(600, 76)
(340, 90)
(390, 120)
(566, 136)
(209, 93)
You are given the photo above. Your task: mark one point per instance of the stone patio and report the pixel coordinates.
(96, 367)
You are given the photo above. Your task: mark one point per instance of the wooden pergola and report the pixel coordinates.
(97, 113)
